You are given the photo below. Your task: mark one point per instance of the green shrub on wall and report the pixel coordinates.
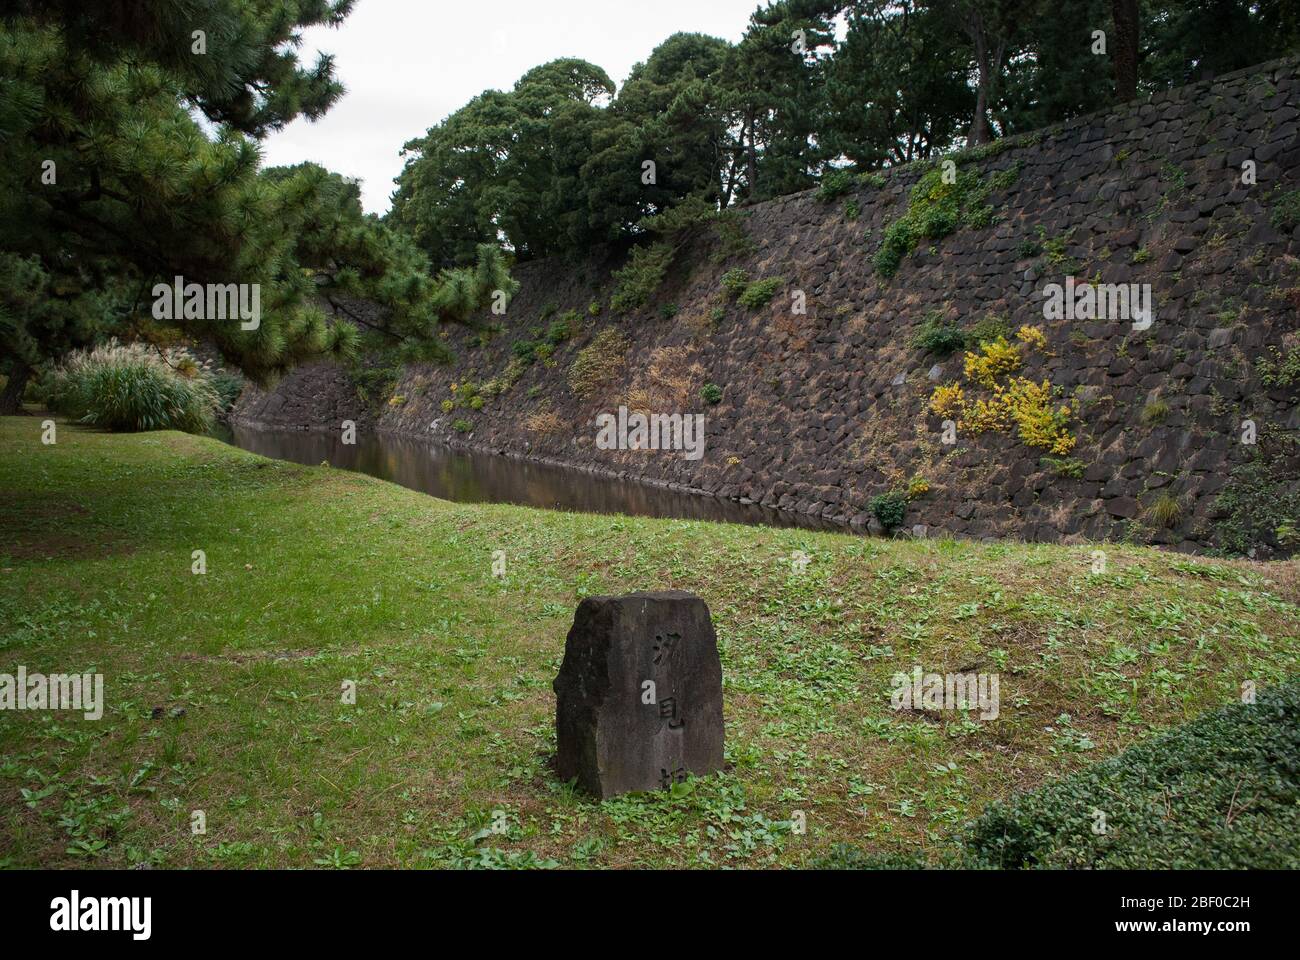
(760, 292)
(1286, 211)
(835, 184)
(734, 282)
(936, 209)
(988, 329)
(889, 509)
(936, 336)
(562, 329)
(1259, 507)
(638, 282)
(1279, 369)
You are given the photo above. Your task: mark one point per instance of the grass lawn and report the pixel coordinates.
(316, 577)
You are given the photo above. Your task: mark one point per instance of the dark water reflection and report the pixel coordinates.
(468, 477)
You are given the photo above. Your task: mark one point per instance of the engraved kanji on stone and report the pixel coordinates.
(668, 778)
(668, 710)
(610, 736)
(664, 645)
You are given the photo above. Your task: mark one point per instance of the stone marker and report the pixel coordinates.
(639, 695)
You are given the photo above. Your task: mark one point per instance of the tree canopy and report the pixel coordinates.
(559, 162)
(129, 156)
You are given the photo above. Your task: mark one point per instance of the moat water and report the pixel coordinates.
(470, 477)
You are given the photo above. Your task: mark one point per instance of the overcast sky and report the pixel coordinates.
(407, 64)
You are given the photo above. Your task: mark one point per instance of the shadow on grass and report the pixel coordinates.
(95, 502)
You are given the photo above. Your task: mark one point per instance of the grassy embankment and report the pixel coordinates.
(317, 576)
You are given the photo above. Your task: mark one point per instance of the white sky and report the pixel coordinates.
(407, 64)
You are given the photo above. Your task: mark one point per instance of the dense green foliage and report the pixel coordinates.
(637, 282)
(760, 292)
(1259, 506)
(889, 508)
(734, 282)
(815, 91)
(1286, 211)
(110, 184)
(935, 335)
(509, 163)
(41, 316)
(1279, 369)
(936, 208)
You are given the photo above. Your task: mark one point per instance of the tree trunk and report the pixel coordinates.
(753, 158)
(1127, 26)
(729, 180)
(979, 127)
(11, 398)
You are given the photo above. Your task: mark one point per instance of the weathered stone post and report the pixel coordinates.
(639, 694)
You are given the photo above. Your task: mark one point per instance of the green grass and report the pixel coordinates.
(316, 577)
(1217, 793)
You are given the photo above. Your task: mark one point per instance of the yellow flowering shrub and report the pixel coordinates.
(1039, 423)
(1011, 401)
(1032, 337)
(983, 414)
(996, 358)
(947, 401)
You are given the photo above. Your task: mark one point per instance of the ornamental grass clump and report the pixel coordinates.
(129, 388)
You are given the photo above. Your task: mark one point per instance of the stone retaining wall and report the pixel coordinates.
(825, 410)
